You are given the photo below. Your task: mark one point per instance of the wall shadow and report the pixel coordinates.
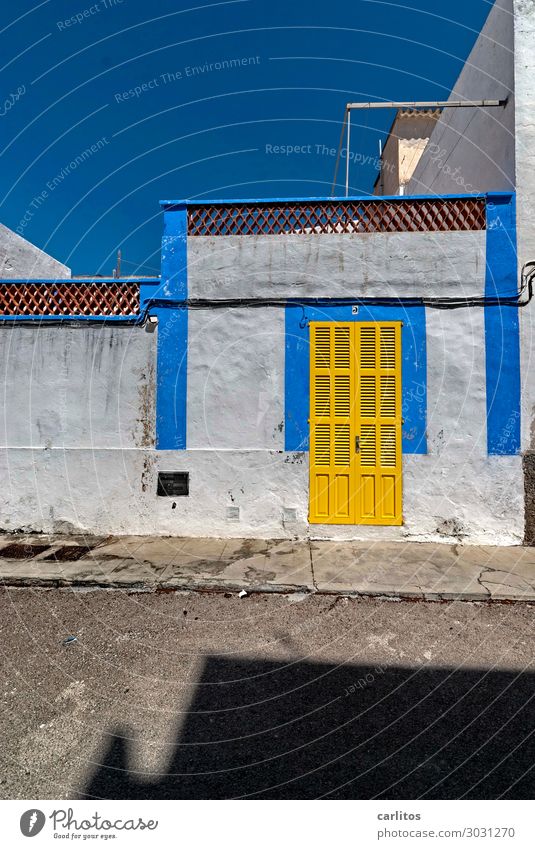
(307, 730)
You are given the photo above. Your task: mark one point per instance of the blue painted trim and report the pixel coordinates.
(149, 290)
(131, 318)
(172, 352)
(80, 281)
(502, 337)
(414, 369)
(174, 254)
(178, 204)
(171, 381)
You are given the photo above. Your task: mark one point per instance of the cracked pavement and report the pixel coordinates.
(400, 570)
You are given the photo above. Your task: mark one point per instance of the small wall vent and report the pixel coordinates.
(173, 484)
(289, 514)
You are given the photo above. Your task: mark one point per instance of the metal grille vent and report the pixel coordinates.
(172, 484)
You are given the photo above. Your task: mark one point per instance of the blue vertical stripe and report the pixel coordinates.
(502, 338)
(171, 383)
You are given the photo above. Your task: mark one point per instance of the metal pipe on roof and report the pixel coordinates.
(340, 143)
(347, 151)
(408, 104)
(427, 104)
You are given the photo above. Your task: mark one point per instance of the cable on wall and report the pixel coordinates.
(512, 300)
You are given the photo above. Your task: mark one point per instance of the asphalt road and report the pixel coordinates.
(205, 696)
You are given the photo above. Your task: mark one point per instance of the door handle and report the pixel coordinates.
(357, 445)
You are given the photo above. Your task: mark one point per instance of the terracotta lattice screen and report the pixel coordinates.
(362, 216)
(69, 298)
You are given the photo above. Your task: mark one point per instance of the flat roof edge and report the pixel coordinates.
(8, 280)
(181, 204)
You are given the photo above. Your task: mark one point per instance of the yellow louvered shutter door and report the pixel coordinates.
(332, 433)
(378, 425)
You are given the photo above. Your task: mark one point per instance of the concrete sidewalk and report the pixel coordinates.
(397, 570)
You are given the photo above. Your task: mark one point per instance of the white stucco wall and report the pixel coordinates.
(77, 387)
(362, 265)
(112, 491)
(482, 493)
(525, 166)
(19, 258)
(236, 379)
(78, 428)
(74, 490)
(474, 149)
(77, 412)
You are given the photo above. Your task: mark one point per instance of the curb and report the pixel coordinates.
(219, 588)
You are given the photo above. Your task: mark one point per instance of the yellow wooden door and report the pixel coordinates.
(355, 423)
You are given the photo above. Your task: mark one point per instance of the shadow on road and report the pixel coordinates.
(307, 730)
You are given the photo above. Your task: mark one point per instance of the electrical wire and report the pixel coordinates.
(140, 265)
(504, 300)
(333, 187)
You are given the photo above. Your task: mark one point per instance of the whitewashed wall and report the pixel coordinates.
(77, 436)
(236, 379)
(525, 158)
(77, 420)
(312, 265)
(19, 258)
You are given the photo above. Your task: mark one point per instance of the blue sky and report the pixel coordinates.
(198, 100)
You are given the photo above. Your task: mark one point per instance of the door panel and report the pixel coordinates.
(378, 418)
(332, 387)
(355, 423)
